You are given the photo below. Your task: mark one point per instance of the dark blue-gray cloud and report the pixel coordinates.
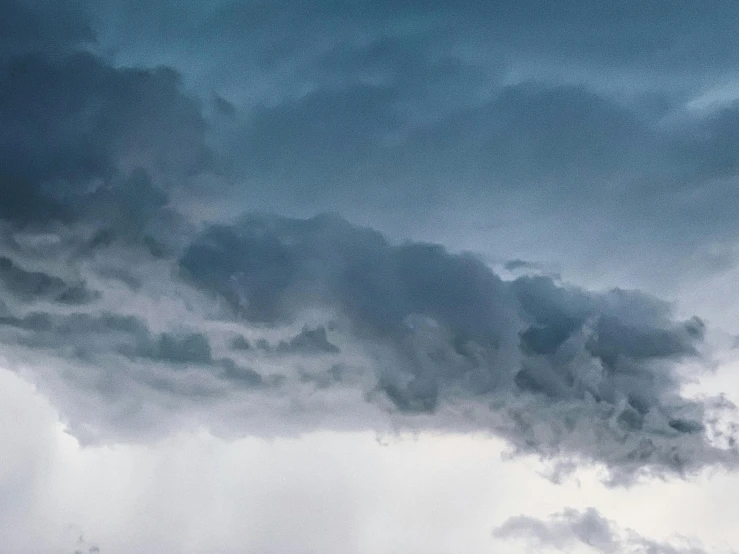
(460, 333)
(82, 139)
(552, 149)
(33, 285)
(407, 331)
(656, 35)
(137, 318)
(399, 113)
(43, 26)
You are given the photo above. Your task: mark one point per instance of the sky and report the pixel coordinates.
(369, 277)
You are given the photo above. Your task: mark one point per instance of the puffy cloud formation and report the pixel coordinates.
(573, 529)
(137, 320)
(275, 325)
(568, 372)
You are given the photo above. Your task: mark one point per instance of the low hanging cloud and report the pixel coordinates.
(570, 529)
(137, 322)
(560, 371)
(278, 325)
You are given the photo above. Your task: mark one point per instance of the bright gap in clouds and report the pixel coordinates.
(324, 492)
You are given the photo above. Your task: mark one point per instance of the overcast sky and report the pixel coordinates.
(288, 277)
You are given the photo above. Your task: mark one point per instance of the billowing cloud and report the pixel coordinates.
(278, 325)
(396, 115)
(542, 353)
(138, 320)
(82, 139)
(514, 188)
(572, 529)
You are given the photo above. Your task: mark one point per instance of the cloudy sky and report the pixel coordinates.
(289, 277)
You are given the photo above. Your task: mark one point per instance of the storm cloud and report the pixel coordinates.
(284, 325)
(397, 116)
(453, 333)
(82, 139)
(140, 307)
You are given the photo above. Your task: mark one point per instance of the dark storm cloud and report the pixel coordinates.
(309, 341)
(94, 152)
(653, 35)
(397, 64)
(34, 285)
(86, 332)
(518, 265)
(44, 25)
(267, 267)
(459, 334)
(563, 144)
(71, 127)
(572, 528)
(343, 124)
(621, 175)
(111, 356)
(711, 143)
(407, 109)
(410, 331)
(81, 138)
(415, 133)
(189, 348)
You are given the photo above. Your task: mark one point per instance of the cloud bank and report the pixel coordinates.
(282, 325)
(138, 320)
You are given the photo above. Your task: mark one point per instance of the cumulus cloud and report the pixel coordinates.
(565, 366)
(137, 320)
(278, 325)
(572, 529)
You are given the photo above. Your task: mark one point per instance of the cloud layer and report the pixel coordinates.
(281, 325)
(139, 315)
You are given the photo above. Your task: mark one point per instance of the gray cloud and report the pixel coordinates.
(399, 332)
(309, 341)
(521, 265)
(400, 115)
(93, 336)
(82, 139)
(460, 334)
(571, 528)
(35, 285)
(550, 147)
(656, 35)
(625, 175)
(339, 326)
(46, 25)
